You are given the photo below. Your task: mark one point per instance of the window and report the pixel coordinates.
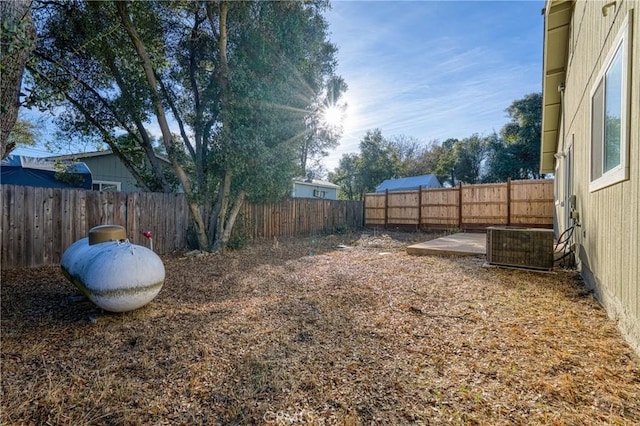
(319, 193)
(103, 185)
(610, 115)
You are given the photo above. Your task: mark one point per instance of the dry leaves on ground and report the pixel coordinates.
(321, 330)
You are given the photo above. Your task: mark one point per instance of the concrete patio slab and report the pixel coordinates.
(460, 244)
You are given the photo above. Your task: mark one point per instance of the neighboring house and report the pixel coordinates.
(109, 173)
(409, 183)
(42, 172)
(591, 142)
(314, 188)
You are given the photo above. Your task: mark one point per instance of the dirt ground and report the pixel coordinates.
(339, 329)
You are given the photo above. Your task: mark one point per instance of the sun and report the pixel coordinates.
(333, 116)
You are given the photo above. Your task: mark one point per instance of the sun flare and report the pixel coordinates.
(333, 116)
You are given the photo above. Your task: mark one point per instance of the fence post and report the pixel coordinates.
(386, 207)
(364, 210)
(460, 205)
(419, 207)
(508, 201)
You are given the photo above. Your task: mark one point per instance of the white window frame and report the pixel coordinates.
(619, 173)
(118, 185)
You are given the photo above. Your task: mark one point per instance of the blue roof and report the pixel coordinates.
(409, 183)
(43, 172)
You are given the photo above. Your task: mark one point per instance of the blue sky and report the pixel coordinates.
(433, 69)
(430, 69)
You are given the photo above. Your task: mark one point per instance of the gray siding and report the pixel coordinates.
(110, 168)
(608, 239)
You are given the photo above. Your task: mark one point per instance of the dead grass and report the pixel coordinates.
(302, 332)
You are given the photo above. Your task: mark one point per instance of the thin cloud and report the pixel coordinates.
(434, 70)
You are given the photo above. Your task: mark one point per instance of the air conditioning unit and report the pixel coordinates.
(530, 248)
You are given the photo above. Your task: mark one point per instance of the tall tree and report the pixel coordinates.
(410, 153)
(17, 40)
(358, 174)
(378, 161)
(161, 116)
(417, 158)
(229, 84)
(516, 154)
(347, 177)
(446, 162)
(469, 154)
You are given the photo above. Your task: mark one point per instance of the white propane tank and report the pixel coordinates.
(115, 275)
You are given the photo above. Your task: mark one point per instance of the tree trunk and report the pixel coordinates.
(304, 154)
(17, 42)
(219, 215)
(233, 215)
(224, 65)
(220, 211)
(162, 122)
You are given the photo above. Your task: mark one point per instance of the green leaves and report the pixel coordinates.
(237, 92)
(358, 174)
(517, 154)
(24, 133)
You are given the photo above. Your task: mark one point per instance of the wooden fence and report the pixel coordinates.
(299, 216)
(38, 224)
(519, 203)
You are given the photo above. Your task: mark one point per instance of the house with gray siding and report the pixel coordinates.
(108, 171)
(314, 188)
(591, 142)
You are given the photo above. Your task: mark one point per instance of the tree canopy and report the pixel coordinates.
(516, 154)
(358, 174)
(235, 88)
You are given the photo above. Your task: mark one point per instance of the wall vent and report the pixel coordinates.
(530, 248)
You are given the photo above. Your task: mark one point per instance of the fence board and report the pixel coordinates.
(484, 204)
(4, 202)
(440, 207)
(51, 210)
(523, 203)
(19, 224)
(37, 227)
(528, 210)
(403, 208)
(374, 209)
(26, 242)
(38, 224)
(64, 216)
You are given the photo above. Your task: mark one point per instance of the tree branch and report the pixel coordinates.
(145, 143)
(176, 114)
(108, 138)
(162, 121)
